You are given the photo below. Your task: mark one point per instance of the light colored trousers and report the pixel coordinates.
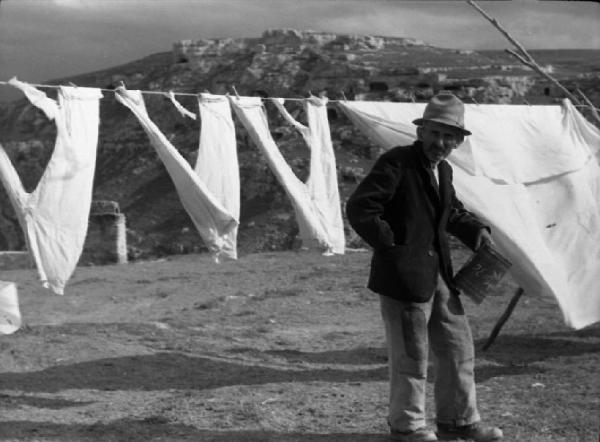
(410, 329)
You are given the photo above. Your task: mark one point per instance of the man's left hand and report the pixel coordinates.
(483, 237)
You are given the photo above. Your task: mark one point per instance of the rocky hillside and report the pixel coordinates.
(282, 63)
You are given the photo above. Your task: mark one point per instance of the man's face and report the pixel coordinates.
(439, 140)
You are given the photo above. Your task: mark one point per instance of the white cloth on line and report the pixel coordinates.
(531, 173)
(316, 203)
(10, 315)
(508, 155)
(322, 180)
(54, 217)
(182, 110)
(211, 219)
(217, 161)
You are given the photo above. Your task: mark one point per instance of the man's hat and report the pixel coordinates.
(447, 109)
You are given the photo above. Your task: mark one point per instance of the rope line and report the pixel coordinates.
(189, 94)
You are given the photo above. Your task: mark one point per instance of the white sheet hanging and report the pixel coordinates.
(316, 203)
(497, 150)
(528, 171)
(212, 220)
(217, 162)
(54, 217)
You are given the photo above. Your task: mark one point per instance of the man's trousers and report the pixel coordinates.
(411, 328)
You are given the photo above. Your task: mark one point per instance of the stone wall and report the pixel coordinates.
(106, 238)
(105, 242)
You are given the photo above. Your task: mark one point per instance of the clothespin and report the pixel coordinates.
(526, 102)
(475, 101)
(206, 91)
(72, 84)
(344, 96)
(121, 84)
(235, 91)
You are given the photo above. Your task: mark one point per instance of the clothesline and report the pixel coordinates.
(189, 94)
(546, 145)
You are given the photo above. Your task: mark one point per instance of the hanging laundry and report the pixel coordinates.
(10, 315)
(182, 110)
(322, 180)
(212, 220)
(316, 203)
(54, 217)
(217, 161)
(531, 173)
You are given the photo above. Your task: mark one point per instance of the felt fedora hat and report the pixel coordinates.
(445, 108)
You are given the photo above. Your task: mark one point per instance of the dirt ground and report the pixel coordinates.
(283, 346)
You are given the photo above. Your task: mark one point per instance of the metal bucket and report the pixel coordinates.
(480, 275)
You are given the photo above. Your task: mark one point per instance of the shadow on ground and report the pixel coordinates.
(164, 371)
(158, 429)
(355, 356)
(527, 348)
(9, 401)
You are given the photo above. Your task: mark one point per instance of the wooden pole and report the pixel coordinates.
(524, 57)
(503, 318)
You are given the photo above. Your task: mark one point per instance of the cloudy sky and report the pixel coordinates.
(44, 39)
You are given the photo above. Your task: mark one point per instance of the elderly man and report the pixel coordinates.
(404, 209)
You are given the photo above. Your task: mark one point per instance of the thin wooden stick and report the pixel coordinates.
(524, 57)
(590, 104)
(521, 58)
(493, 21)
(503, 318)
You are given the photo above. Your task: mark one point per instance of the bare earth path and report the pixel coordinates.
(283, 346)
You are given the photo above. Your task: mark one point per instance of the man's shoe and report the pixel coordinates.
(476, 432)
(419, 435)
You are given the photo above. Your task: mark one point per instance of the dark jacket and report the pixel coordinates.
(400, 211)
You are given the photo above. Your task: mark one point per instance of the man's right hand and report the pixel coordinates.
(483, 237)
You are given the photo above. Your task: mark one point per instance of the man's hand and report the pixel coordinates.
(483, 237)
